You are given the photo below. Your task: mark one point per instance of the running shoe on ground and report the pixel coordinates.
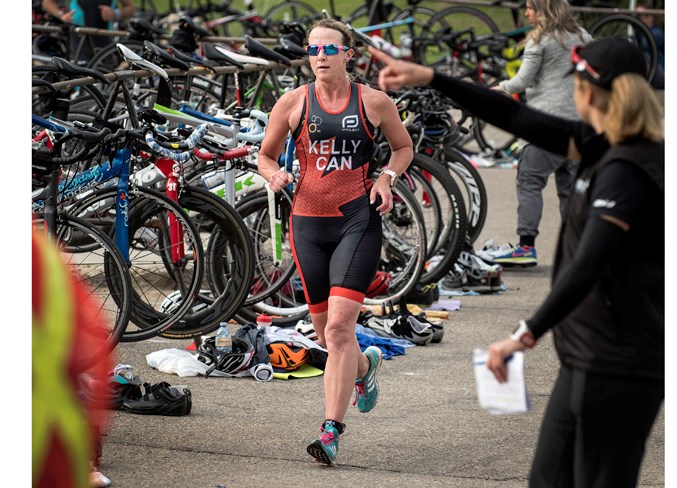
(401, 328)
(452, 281)
(159, 399)
(480, 276)
(438, 330)
(366, 388)
(325, 449)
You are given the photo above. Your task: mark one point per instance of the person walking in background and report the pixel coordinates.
(336, 233)
(607, 303)
(543, 77)
(649, 20)
(99, 14)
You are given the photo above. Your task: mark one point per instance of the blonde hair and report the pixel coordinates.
(553, 17)
(630, 109)
(336, 25)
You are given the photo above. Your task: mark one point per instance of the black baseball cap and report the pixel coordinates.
(602, 61)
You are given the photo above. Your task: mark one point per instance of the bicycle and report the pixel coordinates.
(91, 255)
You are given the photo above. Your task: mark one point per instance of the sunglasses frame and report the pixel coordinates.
(323, 48)
(581, 64)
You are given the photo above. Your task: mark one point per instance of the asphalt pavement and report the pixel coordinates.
(427, 429)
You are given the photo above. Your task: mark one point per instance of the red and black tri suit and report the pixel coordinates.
(336, 233)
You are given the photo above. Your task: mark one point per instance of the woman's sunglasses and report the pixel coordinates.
(329, 49)
(581, 64)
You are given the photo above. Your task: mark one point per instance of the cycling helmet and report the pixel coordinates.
(286, 356)
(306, 329)
(232, 363)
(380, 284)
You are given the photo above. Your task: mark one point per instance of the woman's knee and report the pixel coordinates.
(338, 335)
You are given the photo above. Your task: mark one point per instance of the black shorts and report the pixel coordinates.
(337, 255)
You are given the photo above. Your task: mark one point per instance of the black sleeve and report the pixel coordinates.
(621, 190)
(544, 130)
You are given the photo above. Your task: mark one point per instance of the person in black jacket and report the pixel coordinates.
(607, 303)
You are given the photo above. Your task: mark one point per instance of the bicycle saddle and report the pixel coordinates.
(213, 54)
(290, 49)
(141, 28)
(67, 68)
(188, 23)
(258, 49)
(137, 61)
(164, 57)
(178, 53)
(241, 57)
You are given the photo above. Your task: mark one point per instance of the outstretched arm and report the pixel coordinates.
(549, 132)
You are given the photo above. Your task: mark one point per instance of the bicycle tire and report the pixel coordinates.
(151, 269)
(268, 277)
(103, 272)
(628, 27)
(293, 11)
(231, 260)
(454, 19)
(475, 192)
(454, 233)
(431, 207)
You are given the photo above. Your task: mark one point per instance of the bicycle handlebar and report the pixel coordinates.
(195, 138)
(256, 134)
(237, 153)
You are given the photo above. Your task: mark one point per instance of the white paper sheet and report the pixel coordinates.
(501, 398)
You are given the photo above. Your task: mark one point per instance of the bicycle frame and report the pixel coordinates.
(80, 185)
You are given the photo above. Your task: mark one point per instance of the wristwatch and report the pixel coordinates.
(523, 335)
(393, 176)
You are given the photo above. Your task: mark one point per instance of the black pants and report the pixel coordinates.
(594, 431)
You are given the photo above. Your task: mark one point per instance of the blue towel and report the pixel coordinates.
(385, 345)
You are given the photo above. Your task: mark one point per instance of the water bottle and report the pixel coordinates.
(264, 320)
(387, 47)
(223, 341)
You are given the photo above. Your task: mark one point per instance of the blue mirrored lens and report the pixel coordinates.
(331, 49)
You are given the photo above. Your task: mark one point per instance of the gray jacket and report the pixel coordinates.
(543, 74)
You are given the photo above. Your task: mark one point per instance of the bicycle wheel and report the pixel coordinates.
(293, 11)
(274, 262)
(229, 264)
(163, 288)
(475, 193)
(626, 26)
(360, 16)
(103, 271)
(450, 20)
(431, 207)
(403, 254)
(452, 236)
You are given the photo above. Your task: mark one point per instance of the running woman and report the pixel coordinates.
(336, 211)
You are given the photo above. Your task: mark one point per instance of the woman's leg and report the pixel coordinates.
(345, 361)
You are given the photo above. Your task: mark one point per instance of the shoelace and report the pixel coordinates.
(359, 390)
(327, 437)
